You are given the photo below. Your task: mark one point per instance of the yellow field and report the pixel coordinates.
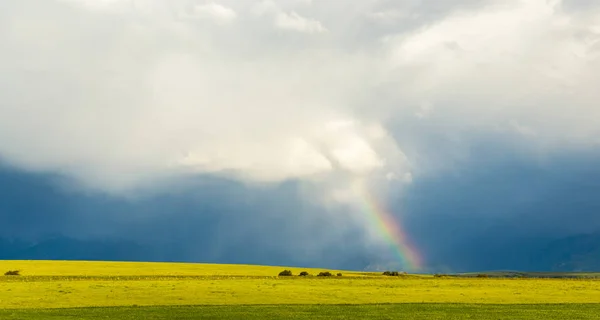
(94, 268)
(47, 285)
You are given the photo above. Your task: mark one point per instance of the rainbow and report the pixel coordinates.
(392, 231)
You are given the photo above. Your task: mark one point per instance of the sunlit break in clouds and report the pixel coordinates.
(301, 124)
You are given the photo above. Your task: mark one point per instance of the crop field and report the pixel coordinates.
(117, 290)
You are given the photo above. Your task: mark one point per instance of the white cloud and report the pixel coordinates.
(388, 17)
(521, 129)
(100, 4)
(294, 21)
(522, 61)
(135, 93)
(217, 12)
(424, 110)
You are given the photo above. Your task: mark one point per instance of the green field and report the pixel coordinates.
(392, 311)
(91, 290)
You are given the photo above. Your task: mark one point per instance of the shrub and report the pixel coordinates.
(12, 273)
(339, 274)
(391, 273)
(304, 273)
(285, 273)
(437, 275)
(482, 275)
(325, 274)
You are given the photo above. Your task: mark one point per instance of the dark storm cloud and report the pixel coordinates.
(207, 220)
(497, 209)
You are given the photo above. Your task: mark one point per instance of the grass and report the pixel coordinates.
(79, 293)
(90, 290)
(102, 268)
(393, 311)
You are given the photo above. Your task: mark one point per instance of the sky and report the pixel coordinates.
(409, 134)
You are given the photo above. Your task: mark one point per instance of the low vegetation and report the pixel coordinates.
(230, 291)
(420, 311)
(286, 273)
(12, 273)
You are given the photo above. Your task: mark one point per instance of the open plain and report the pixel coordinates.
(128, 290)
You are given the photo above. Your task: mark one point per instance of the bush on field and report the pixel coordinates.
(482, 275)
(12, 273)
(391, 273)
(285, 273)
(325, 274)
(304, 273)
(438, 275)
(339, 274)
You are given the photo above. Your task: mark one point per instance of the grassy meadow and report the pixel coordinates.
(319, 312)
(90, 290)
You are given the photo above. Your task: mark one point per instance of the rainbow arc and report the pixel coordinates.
(391, 229)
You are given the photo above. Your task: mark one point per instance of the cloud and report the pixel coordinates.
(498, 201)
(424, 111)
(199, 220)
(118, 119)
(501, 200)
(135, 95)
(524, 130)
(120, 95)
(526, 60)
(294, 21)
(219, 13)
